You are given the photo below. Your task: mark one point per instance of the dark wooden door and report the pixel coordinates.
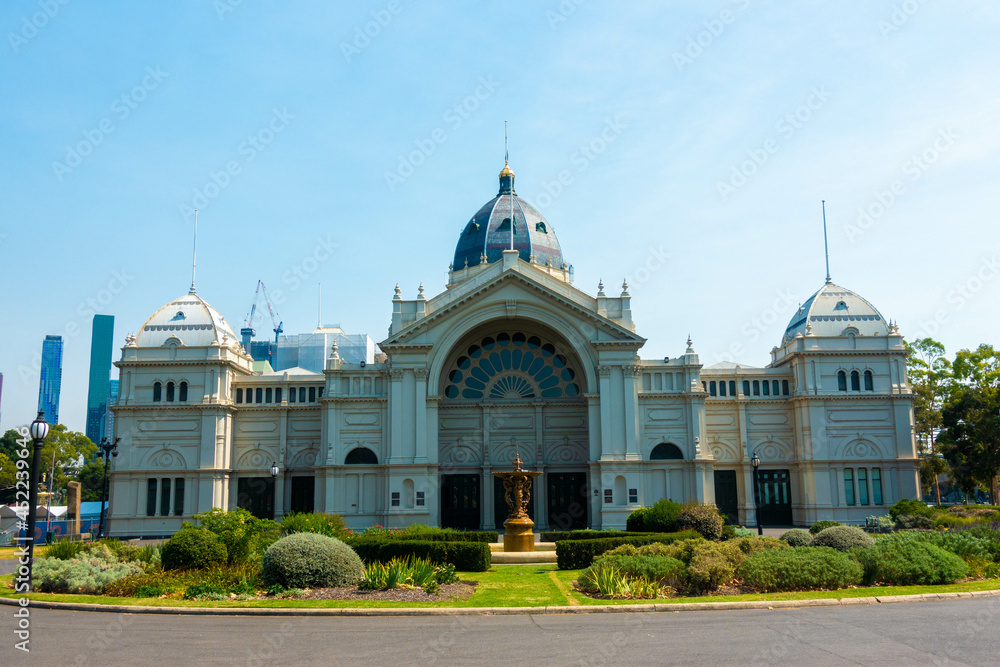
(257, 495)
(726, 496)
(500, 509)
(775, 498)
(460, 506)
(567, 500)
(303, 494)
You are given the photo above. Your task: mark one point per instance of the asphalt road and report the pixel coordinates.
(950, 632)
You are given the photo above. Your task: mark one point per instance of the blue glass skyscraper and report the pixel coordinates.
(100, 375)
(51, 380)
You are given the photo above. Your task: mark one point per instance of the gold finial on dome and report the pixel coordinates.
(506, 170)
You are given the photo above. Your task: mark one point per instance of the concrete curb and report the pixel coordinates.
(500, 611)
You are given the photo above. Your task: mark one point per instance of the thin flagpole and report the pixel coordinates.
(826, 244)
(506, 160)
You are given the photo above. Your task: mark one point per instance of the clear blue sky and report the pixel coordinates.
(694, 142)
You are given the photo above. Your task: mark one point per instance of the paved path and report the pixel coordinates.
(952, 632)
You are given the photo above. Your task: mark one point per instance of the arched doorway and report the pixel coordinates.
(513, 388)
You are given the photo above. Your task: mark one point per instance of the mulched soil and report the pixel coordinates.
(458, 591)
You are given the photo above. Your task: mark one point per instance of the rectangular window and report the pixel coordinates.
(302, 394)
(320, 392)
(184, 392)
(774, 387)
(869, 381)
(767, 388)
(269, 395)
(863, 486)
(165, 496)
(179, 496)
(842, 381)
(746, 387)
(312, 394)
(849, 486)
(395, 499)
(732, 387)
(239, 395)
(277, 395)
(420, 498)
(249, 395)
(151, 497)
(784, 387)
(170, 391)
(291, 394)
(633, 496)
(608, 496)
(260, 395)
(756, 387)
(877, 486)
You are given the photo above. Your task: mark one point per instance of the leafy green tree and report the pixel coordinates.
(929, 377)
(91, 478)
(970, 440)
(7, 471)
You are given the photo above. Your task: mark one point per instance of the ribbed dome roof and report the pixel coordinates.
(832, 310)
(188, 318)
(489, 231)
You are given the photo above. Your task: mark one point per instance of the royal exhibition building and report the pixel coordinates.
(511, 359)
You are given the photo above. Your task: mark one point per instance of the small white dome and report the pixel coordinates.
(189, 319)
(834, 311)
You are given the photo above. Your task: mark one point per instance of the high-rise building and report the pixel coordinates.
(109, 421)
(102, 334)
(1, 389)
(51, 379)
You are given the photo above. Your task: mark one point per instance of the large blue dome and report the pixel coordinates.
(488, 233)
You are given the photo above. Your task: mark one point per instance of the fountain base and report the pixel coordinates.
(518, 536)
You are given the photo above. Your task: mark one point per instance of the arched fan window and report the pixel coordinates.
(361, 456)
(512, 366)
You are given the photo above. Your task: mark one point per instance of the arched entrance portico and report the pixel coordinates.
(513, 387)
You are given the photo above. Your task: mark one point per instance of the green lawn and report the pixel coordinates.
(12, 552)
(514, 586)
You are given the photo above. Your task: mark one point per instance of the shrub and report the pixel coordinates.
(244, 535)
(192, 548)
(304, 560)
(608, 581)
(660, 517)
(663, 569)
(843, 538)
(705, 519)
(205, 592)
(66, 550)
(753, 544)
(823, 525)
(149, 592)
(914, 521)
(559, 535)
(911, 507)
(471, 556)
(711, 566)
(946, 520)
(797, 537)
(408, 572)
(910, 561)
(89, 573)
(578, 554)
(331, 525)
(240, 577)
(805, 568)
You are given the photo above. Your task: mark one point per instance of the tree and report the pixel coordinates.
(929, 375)
(91, 478)
(970, 440)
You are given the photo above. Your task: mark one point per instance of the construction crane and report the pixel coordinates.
(248, 332)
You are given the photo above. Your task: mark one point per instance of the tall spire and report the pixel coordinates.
(506, 175)
(826, 245)
(194, 255)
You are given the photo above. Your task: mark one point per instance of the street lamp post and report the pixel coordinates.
(38, 430)
(755, 462)
(274, 488)
(110, 448)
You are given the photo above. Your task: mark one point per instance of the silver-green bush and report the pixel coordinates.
(89, 573)
(798, 537)
(305, 560)
(843, 538)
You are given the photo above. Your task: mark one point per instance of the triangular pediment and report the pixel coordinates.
(520, 282)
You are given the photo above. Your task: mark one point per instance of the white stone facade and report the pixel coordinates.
(512, 358)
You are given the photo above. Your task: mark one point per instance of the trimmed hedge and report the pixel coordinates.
(484, 536)
(823, 525)
(801, 569)
(559, 535)
(578, 554)
(704, 518)
(469, 556)
(798, 537)
(660, 517)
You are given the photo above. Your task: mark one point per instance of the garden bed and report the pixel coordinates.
(451, 592)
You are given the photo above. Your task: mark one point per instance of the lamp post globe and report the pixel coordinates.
(38, 430)
(755, 462)
(274, 469)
